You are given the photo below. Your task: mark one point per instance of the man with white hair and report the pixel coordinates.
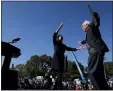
(96, 48)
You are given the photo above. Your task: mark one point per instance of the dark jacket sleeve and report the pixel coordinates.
(96, 20)
(70, 49)
(83, 42)
(54, 38)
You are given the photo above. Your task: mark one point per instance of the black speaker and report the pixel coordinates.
(9, 77)
(9, 80)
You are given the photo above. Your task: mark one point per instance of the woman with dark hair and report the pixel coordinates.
(58, 57)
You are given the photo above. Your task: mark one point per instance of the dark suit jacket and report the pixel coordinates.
(93, 38)
(58, 57)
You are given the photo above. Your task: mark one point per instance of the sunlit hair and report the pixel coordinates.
(85, 22)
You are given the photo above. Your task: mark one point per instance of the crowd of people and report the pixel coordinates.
(41, 83)
(96, 48)
(45, 84)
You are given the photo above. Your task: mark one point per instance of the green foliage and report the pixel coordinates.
(73, 72)
(108, 69)
(37, 65)
(21, 70)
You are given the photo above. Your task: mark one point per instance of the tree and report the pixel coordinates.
(73, 72)
(45, 62)
(108, 69)
(32, 65)
(38, 65)
(20, 68)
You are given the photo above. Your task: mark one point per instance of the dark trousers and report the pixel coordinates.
(60, 74)
(59, 71)
(59, 85)
(96, 71)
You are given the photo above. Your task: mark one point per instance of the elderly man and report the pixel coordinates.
(96, 48)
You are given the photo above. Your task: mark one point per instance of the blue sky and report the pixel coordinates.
(35, 22)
